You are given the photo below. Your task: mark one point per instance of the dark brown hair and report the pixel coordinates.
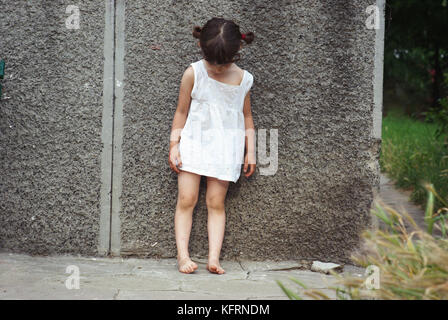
(220, 40)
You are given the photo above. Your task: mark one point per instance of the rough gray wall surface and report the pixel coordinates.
(313, 65)
(50, 127)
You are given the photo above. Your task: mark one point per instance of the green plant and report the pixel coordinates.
(439, 116)
(413, 264)
(410, 155)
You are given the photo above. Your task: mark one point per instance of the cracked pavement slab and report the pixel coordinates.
(44, 277)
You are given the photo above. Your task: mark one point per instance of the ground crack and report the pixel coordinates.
(291, 268)
(116, 294)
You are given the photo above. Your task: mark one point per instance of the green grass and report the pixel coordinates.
(411, 156)
(411, 262)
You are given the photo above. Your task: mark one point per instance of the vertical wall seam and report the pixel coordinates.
(107, 131)
(378, 72)
(378, 94)
(113, 127)
(115, 235)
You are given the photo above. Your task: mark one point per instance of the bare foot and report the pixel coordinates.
(214, 267)
(186, 265)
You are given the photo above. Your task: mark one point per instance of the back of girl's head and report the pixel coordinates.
(220, 40)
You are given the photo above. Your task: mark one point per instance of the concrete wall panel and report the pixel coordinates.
(313, 65)
(50, 127)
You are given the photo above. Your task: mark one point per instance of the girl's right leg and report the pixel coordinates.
(188, 191)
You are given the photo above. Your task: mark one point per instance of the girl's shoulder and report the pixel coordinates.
(189, 73)
(248, 77)
(195, 68)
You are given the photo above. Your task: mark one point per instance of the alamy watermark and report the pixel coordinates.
(72, 22)
(373, 277)
(72, 281)
(202, 145)
(373, 20)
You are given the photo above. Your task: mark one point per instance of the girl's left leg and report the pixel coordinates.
(215, 198)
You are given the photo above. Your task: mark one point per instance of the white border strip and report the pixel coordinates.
(106, 133)
(115, 239)
(378, 73)
(377, 116)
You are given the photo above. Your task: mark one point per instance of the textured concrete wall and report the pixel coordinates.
(313, 65)
(50, 127)
(65, 189)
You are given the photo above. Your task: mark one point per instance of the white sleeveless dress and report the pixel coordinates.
(213, 138)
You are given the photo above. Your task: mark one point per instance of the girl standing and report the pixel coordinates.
(212, 134)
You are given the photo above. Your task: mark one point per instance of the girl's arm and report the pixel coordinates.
(183, 105)
(180, 117)
(249, 160)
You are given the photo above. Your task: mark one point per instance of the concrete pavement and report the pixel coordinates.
(44, 277)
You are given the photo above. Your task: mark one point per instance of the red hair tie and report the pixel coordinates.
(243, 36)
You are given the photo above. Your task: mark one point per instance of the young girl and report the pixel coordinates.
(212, 136)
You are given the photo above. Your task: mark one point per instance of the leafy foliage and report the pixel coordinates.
(416, 53)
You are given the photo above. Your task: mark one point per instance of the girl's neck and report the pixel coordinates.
(218, 70)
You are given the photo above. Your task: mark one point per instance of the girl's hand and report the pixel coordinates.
(174, 157)
(249, 163)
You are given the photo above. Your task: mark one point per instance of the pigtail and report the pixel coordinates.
(197, 32)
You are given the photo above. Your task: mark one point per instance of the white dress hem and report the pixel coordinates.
(207, 173)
